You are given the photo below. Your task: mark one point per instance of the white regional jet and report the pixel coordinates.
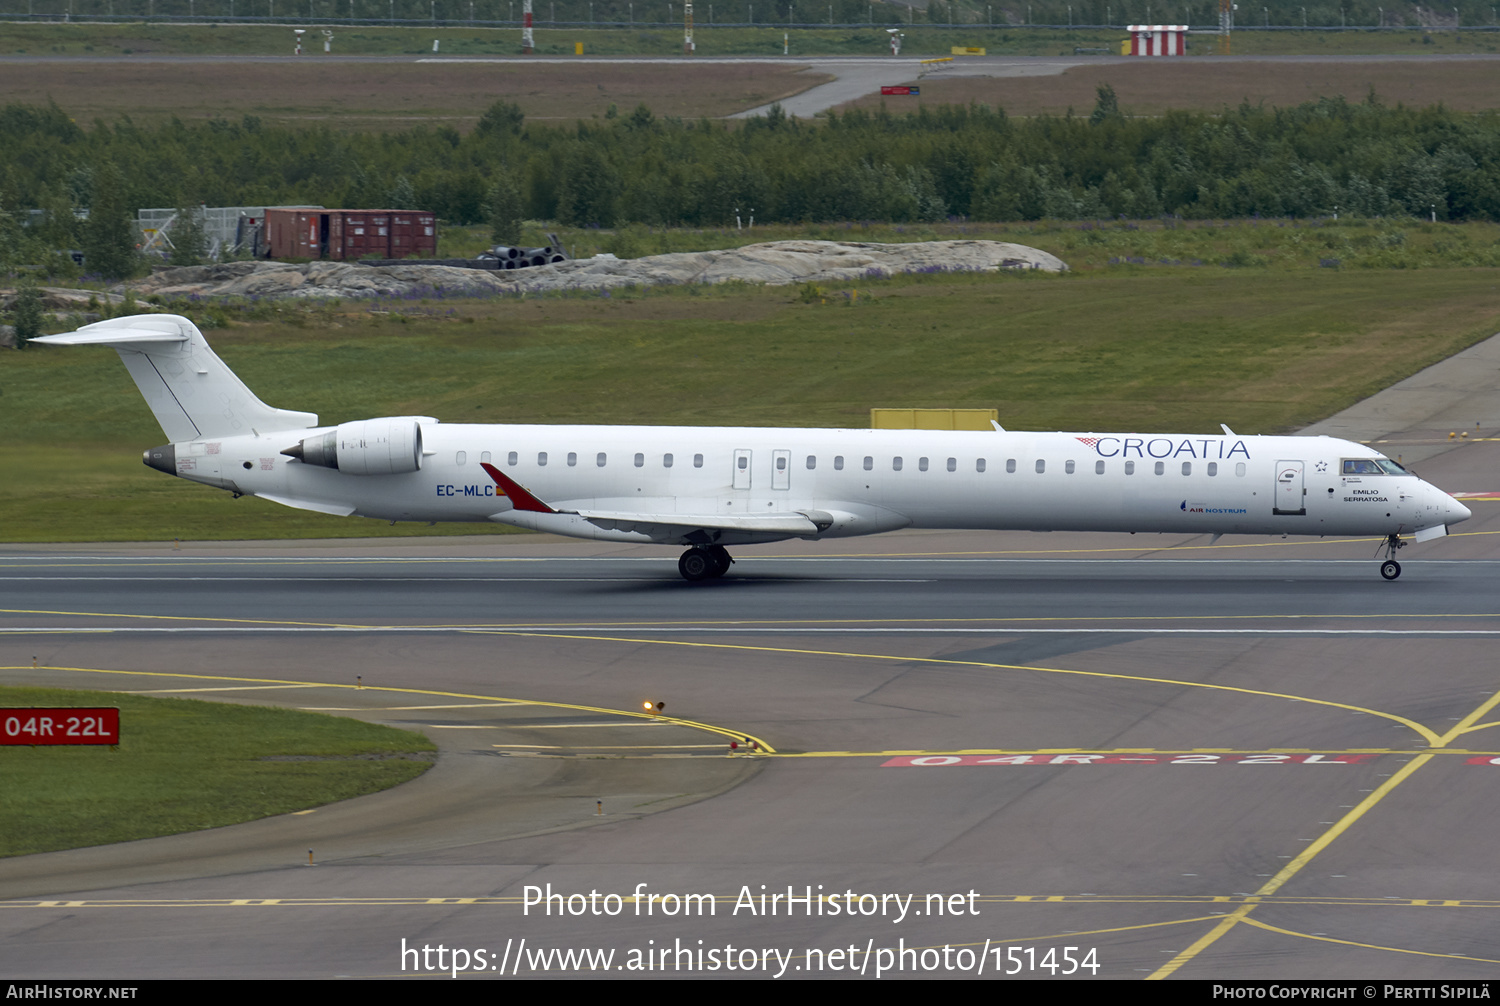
(709, 487)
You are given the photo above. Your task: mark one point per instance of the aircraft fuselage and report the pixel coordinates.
(870, 480)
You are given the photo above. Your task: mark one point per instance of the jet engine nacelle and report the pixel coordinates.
(367, 447)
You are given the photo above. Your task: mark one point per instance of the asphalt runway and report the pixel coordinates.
(1117, 756)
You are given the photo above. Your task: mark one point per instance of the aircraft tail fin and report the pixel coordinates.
(193, 394)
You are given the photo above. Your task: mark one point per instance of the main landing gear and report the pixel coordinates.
(1390, 569)
(704, 562)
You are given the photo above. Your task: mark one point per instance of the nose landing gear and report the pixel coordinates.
(704, 562)
(1390, 569)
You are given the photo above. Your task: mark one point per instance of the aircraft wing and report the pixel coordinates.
(670, 526)
(336, 509)
(675, 525)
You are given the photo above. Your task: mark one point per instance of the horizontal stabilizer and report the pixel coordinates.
(113, 337)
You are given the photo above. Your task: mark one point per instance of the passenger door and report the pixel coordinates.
(1291, 488)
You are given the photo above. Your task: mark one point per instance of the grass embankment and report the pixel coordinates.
(184, 765)
(157, 38)
(1151, 87)
(370, 95)
(1151, 348)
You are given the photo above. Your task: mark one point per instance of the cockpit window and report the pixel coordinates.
(1372, 466)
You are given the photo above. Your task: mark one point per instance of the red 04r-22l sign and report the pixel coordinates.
(32, 726)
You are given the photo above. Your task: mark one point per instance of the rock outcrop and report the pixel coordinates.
(775, 263)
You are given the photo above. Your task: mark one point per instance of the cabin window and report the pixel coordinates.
(838, 462)
(895, 464)
(1239, 469)
(1130, 468)
(1010, 465)
(812, 462)
(512, 458)
(743, 462)
(921, 464)
(1098, 467)
(572, 459)
(1041, 466)
(666, 461)
(601, 459)
(484, 457)
(1069, 467)
(953, 464)
(1213, 468)
(697, 461)
(979, 464)
(640, 460)
(869, 463)
(1161, 468)
(541, 459)
(1187, 468)
(781, 464)
(462, 457)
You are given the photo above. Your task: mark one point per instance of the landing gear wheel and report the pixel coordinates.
(721, 559)
(1390, 569)
(704, 562)
(696, 564)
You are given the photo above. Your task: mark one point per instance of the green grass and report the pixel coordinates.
(1146, 348)
(184, 765)
(139, 38)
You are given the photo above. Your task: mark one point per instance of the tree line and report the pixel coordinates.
(1325, 157)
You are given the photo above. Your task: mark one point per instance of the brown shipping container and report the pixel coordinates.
(350, 234)
(306, 232)
(281, 233)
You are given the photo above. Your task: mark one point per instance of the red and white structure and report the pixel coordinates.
(1158, 39)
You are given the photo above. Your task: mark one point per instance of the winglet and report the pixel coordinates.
(522, 499)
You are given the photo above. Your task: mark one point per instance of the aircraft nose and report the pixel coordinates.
(1457, 511)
